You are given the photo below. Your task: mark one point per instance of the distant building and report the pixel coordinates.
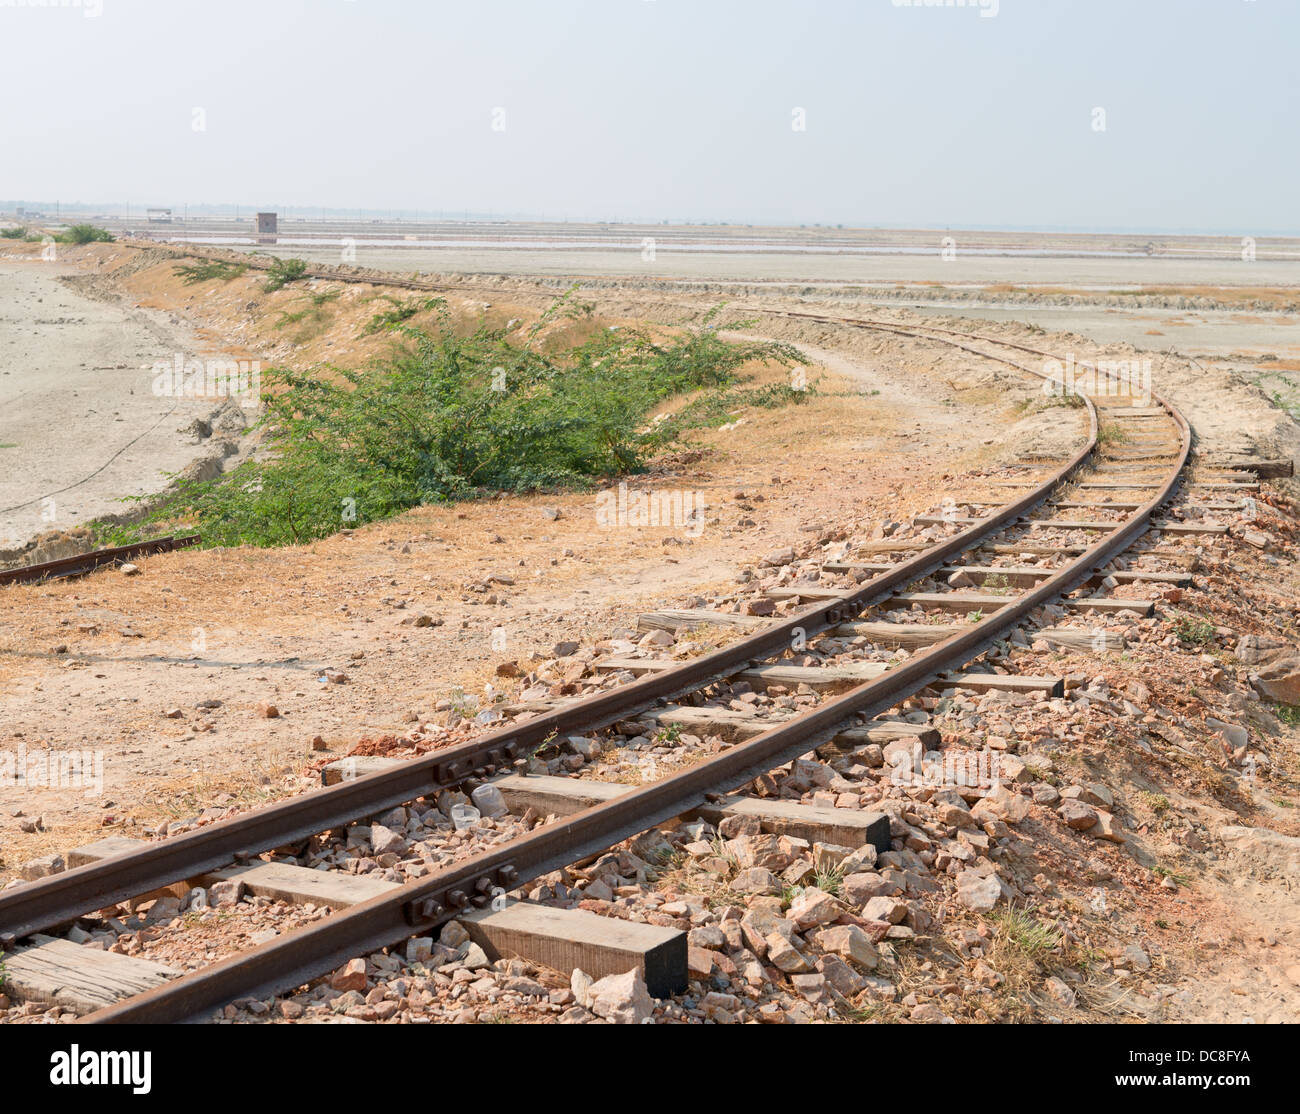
(159, 216)
(267, 224)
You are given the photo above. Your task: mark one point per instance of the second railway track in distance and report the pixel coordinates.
(988, 567)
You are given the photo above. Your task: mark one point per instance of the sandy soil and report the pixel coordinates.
(80, 426)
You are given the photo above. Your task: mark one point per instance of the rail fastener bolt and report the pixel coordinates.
(429, 909)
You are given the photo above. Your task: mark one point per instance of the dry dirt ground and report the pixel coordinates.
(164, 671)
(81, 428)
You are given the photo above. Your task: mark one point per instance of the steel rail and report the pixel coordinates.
(60, 898)
(242, 836)
(80, 563)
(419, 906)
(296, 958)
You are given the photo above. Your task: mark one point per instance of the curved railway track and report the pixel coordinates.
(421, 904)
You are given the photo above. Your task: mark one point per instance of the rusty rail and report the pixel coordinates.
(420, 905)
(81, 563)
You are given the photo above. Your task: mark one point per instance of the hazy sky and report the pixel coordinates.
(672, 109)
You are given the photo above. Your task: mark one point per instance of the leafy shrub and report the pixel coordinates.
(447, 418)
(401, 312)
(312, 319)
(213, 270)
(85, 234)
(282, 272)
(15, 233)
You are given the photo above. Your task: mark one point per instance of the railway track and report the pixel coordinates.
(971, 547)
(81, 563)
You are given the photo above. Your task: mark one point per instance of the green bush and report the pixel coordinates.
(448, 418)
(212, 270)
(402, 311)
(85, 234)
(15, 233)
(284, 271)
(312, 319)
